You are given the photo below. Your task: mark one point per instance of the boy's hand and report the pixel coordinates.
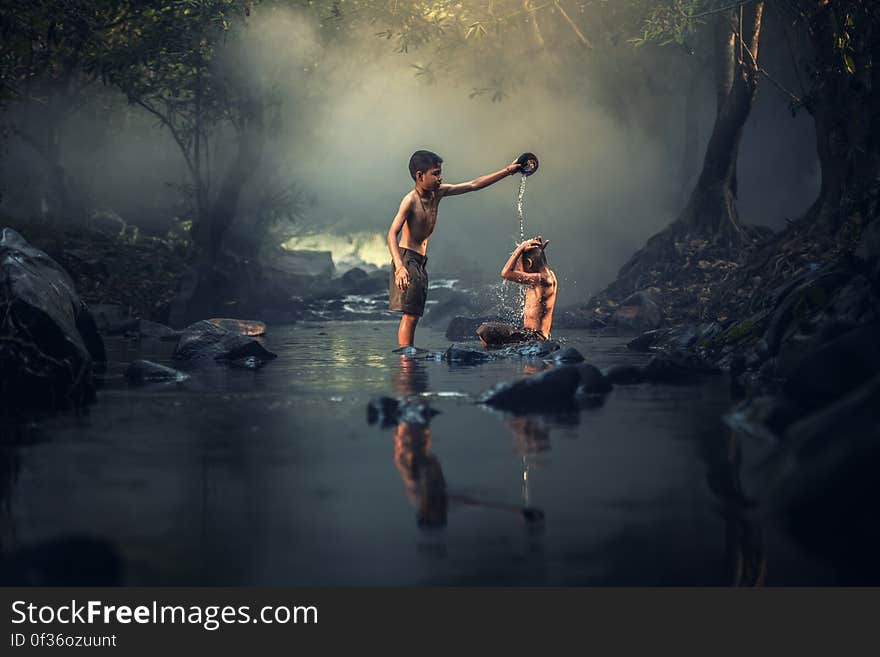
(401, 278)
(528, 244)
(513, 167)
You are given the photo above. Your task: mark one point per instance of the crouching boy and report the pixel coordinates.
(527, 265)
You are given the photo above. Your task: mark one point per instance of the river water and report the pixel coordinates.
(275, 477)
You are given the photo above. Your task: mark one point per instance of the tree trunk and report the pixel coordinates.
(217, 217)
(711, 210)
(845, 107)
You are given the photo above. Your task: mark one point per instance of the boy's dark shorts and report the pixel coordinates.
(412, 300)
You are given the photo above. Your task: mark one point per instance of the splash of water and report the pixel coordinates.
(519, 208)
(521, 291)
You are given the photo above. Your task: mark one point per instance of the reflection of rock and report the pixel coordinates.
(388, 410)
(592, 381)
(204, 341)
(548, 390)
(145, 371)
(48, 338)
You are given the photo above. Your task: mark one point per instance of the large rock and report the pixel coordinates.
(638, 313)
(465, 328)
(206, 342)
(836, 367)
(248, 327)
(546, 391)
(677, 368)
(826, 478)
(797, 299)
(48, 339)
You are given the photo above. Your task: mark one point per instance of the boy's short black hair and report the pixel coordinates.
(533, 259)
(422, 161)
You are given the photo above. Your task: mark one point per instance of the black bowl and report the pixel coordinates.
(529, 162)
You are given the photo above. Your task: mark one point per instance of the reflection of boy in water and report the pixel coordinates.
(421, 473)
(527, 265)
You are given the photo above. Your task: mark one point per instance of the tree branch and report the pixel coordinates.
(580, 35)
(174, 133)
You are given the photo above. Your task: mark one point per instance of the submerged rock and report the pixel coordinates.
(532, 349)
(548, 390)
(48, 339)
(413, 352)
(205, 341)
(145, 371)
(566, 355)
(465, 356)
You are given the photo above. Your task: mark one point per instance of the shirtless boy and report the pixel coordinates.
(527, 265)
(415, 221)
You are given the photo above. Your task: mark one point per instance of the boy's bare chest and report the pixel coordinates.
(423, 217)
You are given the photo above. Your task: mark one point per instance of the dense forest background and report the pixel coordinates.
(238, 124)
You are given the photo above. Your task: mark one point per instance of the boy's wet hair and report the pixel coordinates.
(534, 258)
(422, 161)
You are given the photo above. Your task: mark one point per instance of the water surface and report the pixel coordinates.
(274, 477)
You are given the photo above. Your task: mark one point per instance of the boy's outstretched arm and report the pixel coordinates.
(401, 276)
(509, 271)
(482, 181)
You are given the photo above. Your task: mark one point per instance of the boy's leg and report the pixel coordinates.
(406, 331)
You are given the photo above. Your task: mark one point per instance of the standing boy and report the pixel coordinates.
(415, 221)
